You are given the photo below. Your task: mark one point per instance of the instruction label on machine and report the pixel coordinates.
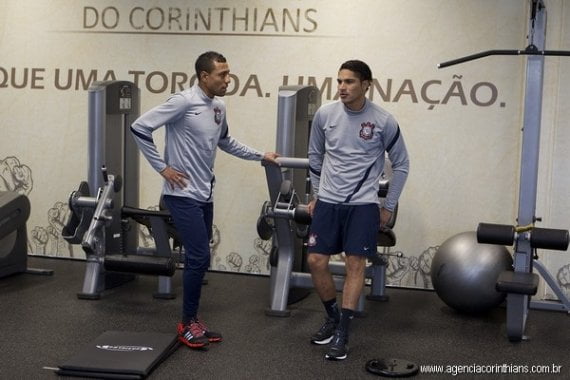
(125, 97)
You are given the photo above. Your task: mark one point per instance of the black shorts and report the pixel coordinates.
(336, 228)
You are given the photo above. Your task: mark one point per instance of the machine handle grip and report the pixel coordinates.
(105, 174)
(301, 214)
(291, 162)
(118, 183)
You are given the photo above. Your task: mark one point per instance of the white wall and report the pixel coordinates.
(464, 153)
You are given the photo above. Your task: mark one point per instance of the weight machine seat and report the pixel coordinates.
(517, 282)
(386, 238)
(142, 216)
(134, 212)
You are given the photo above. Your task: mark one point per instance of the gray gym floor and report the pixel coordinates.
(43, 323)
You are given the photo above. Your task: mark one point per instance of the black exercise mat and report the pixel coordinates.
(120, 355)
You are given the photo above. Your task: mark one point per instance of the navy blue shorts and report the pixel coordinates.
(336, 228)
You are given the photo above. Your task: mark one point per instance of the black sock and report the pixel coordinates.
(332, 309)
(346, 316)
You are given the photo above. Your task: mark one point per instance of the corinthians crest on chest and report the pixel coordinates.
(217, 115)
(366, 130)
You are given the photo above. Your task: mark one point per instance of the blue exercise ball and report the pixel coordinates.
(464, 273)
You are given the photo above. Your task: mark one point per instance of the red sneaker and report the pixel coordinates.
(211, 335)
(192, 335)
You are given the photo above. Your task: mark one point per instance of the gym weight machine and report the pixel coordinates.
(14, 212)
(521, 284)
(104, 223)
(286, 219)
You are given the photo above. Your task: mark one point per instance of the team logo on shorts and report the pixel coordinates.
(366, 130)
(312, 240)
(217, 115)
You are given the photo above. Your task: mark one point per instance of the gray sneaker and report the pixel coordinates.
(338, 349)
(326, 332)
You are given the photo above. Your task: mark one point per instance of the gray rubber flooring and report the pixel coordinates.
(42, 324)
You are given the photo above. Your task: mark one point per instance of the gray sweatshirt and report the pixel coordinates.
(347, 153)
(195, 126)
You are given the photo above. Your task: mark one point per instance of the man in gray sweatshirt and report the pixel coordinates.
(196, 125)
(347, 147)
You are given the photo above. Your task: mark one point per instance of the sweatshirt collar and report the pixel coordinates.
(203, 94)
(363, 109)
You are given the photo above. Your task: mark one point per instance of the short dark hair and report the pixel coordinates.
(205, 62)
(359, 67)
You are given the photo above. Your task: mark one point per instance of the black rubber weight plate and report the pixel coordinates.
(392, 367)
